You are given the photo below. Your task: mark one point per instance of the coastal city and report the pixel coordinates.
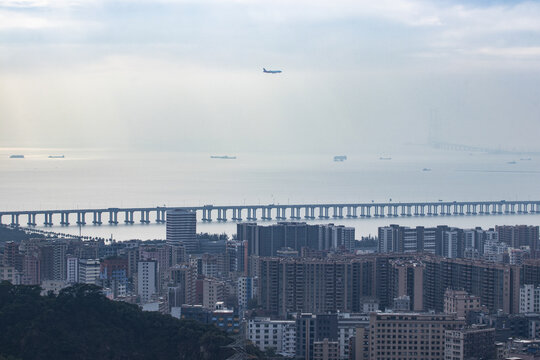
(311, 291)
(269, 180)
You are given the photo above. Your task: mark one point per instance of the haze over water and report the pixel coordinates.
(112, 178)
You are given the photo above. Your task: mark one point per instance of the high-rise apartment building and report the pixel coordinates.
(53, 260)
(182, 229)
(529, 299)
(519, 235)
(147, 280)
(72, 270)
(89, 271)
(267, 240)
(497, 285)
(311, 328)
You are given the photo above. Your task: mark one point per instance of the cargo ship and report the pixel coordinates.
(340, 157)
(225, 157)
(16, 156)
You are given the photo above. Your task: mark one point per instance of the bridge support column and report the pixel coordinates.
(376, 211)
(48, 219)
(238, 214)
(14, 219)
(31, 220)
(113, 217)
(409, 210)
(368, 211)
(81, 218)
(65, 219)
(97, 218)
(128, 217)
(254, 214)
(422, 210)
(396, 211)
(224, 215)
(416, 213)
(159, 216)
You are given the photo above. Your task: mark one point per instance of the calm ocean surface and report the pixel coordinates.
(101, 178)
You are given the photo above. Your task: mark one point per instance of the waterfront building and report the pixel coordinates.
(182, 229)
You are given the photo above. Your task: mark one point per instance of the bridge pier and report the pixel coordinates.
(281, 213)
(31, 220)
(251, 214)
(128, 217)
(48, 219)
(81, 218)
(237, 214)
(64, 218)
(97, 218)
(416, 213)
(113, 217)
(222, 214)
(368, 211)
(14, 220)
(161, 217)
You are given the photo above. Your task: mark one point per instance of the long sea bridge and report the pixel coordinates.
(146, 215)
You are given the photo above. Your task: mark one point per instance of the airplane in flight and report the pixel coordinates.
(271, 71)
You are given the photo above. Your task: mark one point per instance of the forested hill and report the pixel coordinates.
(80, 323)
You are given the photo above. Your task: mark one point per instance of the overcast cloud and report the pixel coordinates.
(187, 75)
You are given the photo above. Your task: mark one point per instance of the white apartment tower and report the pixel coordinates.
(182, 229)
(147, 274)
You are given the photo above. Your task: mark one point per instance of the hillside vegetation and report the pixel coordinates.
(80, 323)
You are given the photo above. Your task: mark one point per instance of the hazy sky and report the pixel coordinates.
(187, 75)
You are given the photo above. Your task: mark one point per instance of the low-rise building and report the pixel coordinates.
(277, 334)
(421, 335)
(470, 343)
